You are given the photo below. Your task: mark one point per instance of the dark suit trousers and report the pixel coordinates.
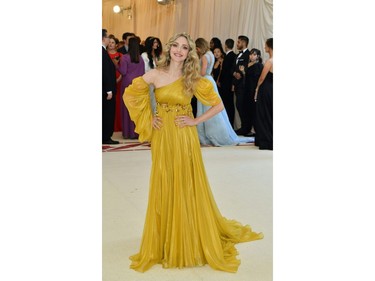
(243, 105)
(108, 116)
(227, 96)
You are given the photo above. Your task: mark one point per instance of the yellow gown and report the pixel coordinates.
(183, 226)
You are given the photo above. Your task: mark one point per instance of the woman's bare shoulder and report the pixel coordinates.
(151, 76)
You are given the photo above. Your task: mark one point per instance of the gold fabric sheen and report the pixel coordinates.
(183, 225)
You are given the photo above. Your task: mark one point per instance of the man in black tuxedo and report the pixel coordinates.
(226, 78)
(125, 37)
(242, 98)
(108, 92)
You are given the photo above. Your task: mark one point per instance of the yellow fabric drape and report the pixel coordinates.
(141, 112)
(183, 225)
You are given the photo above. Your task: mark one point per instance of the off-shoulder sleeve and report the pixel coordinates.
(137, 101)
(205, 93)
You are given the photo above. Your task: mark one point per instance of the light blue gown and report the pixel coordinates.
(216, 131)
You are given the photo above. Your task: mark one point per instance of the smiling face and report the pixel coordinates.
(111, 44)
(179, 49)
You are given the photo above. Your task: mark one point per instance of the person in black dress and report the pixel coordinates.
(252, 74)
(264, 102)
(216, 70)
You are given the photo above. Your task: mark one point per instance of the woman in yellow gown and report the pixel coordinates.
(183, 226)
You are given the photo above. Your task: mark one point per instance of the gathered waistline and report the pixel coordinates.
(173, 107)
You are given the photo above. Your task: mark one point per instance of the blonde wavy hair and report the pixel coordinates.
(191, 67)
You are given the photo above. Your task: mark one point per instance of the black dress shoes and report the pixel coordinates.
(110, 141)
(240, 132)
(243, 132)
(265, 148)
(250, 134)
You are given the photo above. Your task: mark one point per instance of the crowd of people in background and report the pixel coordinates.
(243, 82)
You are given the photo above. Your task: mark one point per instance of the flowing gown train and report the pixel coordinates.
(183, 225)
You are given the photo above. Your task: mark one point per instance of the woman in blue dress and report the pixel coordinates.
(216, 131)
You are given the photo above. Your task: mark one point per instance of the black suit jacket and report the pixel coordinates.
(108, 74)
(122, 50)
(227, 70)
(243, 60)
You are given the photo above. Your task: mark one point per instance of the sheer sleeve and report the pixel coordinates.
(137, 101)
(206, 94)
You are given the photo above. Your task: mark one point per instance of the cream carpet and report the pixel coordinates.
(241, 181)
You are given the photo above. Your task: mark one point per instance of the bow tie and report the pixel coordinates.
(240, 52)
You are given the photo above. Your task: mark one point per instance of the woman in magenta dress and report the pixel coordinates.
(131, 66)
